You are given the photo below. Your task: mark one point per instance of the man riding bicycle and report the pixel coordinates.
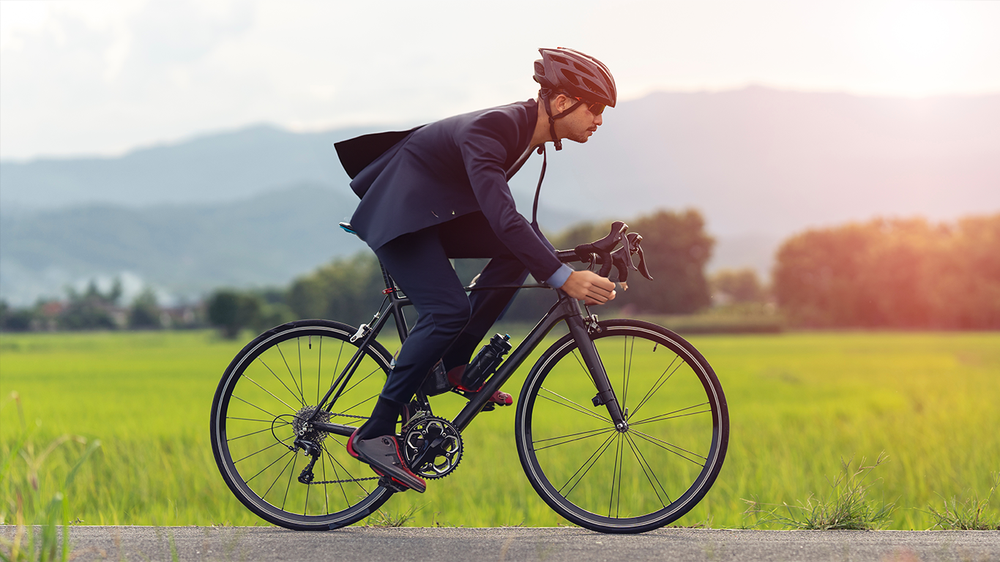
(439, 192)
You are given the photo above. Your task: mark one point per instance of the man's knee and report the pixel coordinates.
(447, 319)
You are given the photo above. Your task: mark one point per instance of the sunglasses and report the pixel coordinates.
(594, 108)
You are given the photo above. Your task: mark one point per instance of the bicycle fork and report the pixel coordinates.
(605, 394)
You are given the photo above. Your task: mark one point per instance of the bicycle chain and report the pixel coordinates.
(345, 481)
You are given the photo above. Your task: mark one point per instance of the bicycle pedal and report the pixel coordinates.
(391, 484)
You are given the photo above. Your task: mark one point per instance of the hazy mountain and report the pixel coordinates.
(759, 160)
(183, 250)
(760, 164)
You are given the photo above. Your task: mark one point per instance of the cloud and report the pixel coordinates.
(94, 76)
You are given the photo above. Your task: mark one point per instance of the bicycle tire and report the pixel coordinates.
(280, 373)
(639, 479)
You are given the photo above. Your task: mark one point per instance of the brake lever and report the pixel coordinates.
(622, 262)
(635, 242)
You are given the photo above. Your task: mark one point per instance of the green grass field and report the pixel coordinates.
(800, 403)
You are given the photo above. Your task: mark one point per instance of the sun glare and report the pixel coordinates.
(926, 48)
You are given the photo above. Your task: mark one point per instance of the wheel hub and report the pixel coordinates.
(304, 429)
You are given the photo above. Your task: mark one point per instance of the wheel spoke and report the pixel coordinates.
(288, 486)
(628, 345)
(363, 379)
(275, 461)
(569, 438)
(586, 466)
(583, 367)
(616, 479)
(671, 448)
(675, 414)
(572, 405)
(297, 393)
(659, 383)
(279, 444)
(249, 378)
(231, 439)
(269, 422)
(252, 405)
(647, 469)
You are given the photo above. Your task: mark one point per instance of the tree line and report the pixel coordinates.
(675, 246)
(97, 309)
(885, 273)
(893, 273)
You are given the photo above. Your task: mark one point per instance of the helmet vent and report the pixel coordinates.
(579, 67)
(593, 87)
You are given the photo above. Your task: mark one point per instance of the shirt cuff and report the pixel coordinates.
(557, 279)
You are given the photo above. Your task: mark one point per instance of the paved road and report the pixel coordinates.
(518, 543)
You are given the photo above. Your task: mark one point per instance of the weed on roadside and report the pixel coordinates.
(968, 515)
(849, 507)
(385, 518)
(48, 515)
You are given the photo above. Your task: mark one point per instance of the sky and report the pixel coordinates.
(89, 77)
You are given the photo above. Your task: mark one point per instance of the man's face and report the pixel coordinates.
(579, 125)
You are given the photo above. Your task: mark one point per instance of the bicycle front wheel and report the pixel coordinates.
(269, 389)
(646, 475)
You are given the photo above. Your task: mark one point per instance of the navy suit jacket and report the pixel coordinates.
(411, 180)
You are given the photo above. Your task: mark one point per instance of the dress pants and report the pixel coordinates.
(419, 263)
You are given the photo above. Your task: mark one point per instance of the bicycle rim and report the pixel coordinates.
(275, 380)
(623, 481)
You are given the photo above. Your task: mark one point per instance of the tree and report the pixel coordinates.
(145, 312)
(15, 319)
(893, 273)
(737, 286)
(92, 310)
(676, 248)
(348, 290)
(231, 311)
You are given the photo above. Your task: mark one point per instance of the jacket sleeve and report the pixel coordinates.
(486, 144)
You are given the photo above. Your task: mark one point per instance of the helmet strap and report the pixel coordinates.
(556, 141)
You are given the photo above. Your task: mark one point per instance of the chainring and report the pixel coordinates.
(439, 438)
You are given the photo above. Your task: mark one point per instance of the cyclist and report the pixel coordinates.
(440, 191)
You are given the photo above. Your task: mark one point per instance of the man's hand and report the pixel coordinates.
(589, 287)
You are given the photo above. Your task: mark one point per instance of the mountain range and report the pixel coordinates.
(259, 205)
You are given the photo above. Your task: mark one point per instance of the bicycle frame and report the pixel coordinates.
(565, 309)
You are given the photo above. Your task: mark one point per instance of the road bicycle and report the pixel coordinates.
(621, 425)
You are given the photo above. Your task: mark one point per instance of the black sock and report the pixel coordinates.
(383, 419)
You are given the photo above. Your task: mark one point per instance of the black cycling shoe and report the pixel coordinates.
(382, 454)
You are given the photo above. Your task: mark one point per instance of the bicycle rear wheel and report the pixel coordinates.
(627, 481)
(274, 383)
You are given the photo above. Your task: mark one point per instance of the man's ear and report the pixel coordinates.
(562, 102)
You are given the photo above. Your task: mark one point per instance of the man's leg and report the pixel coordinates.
(470, 236)
(420, 266)
(487, 306)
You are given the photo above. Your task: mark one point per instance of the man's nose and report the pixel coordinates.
(598, 120)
